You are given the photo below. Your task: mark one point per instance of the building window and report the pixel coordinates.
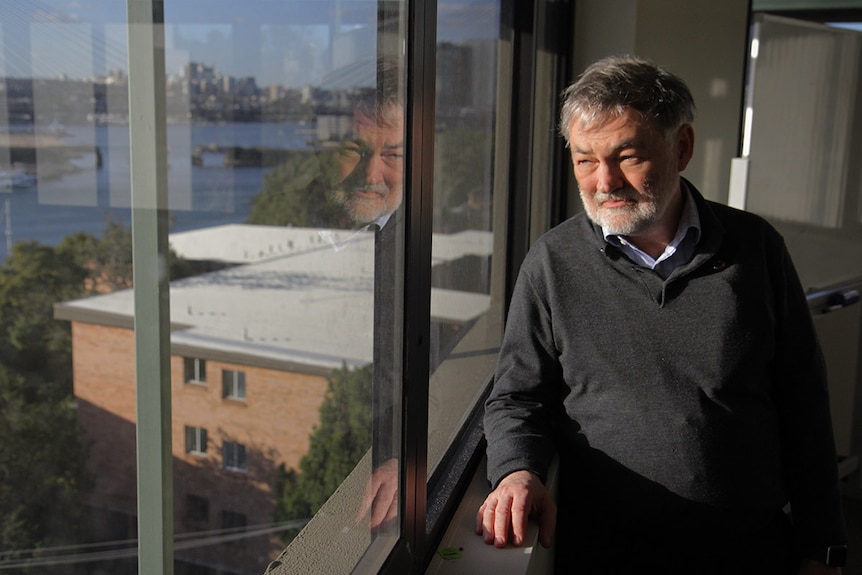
(195, 370)
(233, 520)
(233, 454)
(196, 440)
(233, 384)
(197, 509)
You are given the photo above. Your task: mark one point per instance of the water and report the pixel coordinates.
(198, 196)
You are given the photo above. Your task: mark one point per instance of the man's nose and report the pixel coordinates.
(374, 169)
(609, 177)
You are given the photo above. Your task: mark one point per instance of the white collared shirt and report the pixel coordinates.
(679, 251)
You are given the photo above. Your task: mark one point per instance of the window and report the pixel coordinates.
(227, 159)
(233, 520)
(196, 440)
(197, 509)
(195, 370)
(233, 455)
(233, 384)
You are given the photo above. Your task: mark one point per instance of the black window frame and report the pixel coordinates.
(534, 167)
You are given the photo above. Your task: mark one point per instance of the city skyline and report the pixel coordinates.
(288, 42)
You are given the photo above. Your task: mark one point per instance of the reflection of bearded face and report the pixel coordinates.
(370, 168)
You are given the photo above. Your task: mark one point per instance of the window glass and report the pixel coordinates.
(65, 220)
(465, 322)
(233, 384)
(197, 509)
(233, 454)
(285, 158)
(196, 440)
(195, 370)
(285, 151)
(806, 71)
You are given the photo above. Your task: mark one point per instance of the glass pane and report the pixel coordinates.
(64, 197)
(465, 321)
(804, 174)
(282, 160)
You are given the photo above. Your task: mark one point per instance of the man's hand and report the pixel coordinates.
(519, 496)
(381, 494)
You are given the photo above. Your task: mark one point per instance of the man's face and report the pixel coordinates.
(628, 173)
(371, 169)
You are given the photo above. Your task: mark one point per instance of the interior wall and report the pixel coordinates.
(703, 41)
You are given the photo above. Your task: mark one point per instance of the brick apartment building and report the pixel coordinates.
(251, 348)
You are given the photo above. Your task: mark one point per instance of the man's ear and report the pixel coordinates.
(684, 145)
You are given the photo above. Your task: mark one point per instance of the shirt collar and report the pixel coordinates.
(381, 221)
(688, 220)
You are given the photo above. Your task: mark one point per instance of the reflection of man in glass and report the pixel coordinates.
(369, 188)
(371, 163)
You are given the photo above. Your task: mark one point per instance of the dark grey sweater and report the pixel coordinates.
(710, 383)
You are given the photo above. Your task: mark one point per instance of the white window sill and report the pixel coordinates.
(473, 555)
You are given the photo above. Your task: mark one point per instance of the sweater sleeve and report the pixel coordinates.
(808, 448)
(525, 394)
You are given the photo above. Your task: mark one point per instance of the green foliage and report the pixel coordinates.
(32, 278)
(337, 444)
(42, 465)
(42, 458)
(460, 154)
(296, 193)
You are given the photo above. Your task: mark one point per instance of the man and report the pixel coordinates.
(370, 160)
(370, 164)
(661, 345)
(369, 189)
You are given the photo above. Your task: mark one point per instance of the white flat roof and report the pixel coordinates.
(302, 301)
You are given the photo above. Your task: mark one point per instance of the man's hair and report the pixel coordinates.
(609, 87)
(385, 104)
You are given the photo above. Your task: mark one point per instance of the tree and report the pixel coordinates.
(42, 456)
(31, 340)
(42, 465)
(296, 193)
(337, 444)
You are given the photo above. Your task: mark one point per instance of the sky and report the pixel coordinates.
(284, 42)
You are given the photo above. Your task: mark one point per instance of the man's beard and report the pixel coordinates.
(641, 213)
(363, 210)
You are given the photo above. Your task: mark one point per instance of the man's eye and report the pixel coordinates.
(350, 152)
(393, 155)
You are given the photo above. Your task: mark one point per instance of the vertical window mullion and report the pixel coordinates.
(421, 73)
(148, 144)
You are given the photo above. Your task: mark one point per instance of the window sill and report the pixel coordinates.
(473, 555)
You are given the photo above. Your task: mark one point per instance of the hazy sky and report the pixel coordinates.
(277, 41)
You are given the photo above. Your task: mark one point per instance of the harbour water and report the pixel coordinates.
(198, 195)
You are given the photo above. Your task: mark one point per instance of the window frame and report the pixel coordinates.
(198, 445)
(197, 510)
(234, 452)
(233, 520)
(195, 367)
(235, 388)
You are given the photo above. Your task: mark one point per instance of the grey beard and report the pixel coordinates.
(637, 217)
